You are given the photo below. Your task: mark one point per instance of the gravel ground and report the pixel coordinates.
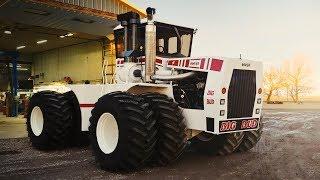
(288, 149)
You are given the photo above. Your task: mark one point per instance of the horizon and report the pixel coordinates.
(270, 31)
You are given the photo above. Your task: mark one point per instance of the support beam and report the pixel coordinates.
(14, 80)
(15, 84)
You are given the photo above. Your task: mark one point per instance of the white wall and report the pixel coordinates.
(80, 62)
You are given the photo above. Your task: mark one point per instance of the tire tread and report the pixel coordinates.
(170, 122)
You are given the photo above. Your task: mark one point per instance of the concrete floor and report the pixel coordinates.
(12, 127)
(288, 149)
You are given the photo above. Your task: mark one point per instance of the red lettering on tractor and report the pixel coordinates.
(210, 101)
(249, 124)
(210, 92)
(228, 126)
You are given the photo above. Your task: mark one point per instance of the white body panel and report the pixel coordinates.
(219, 74)
(195, 119)
(88, 95)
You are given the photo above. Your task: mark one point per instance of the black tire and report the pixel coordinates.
(79, 138)
(250, 139)
(137, 131)
(57, 116)
(171, 128)
(223, 144)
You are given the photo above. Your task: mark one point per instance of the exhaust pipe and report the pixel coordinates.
(150, 46)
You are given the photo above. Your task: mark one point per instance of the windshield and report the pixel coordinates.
(172, 41)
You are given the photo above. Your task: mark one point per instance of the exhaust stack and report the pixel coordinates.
(150, 46)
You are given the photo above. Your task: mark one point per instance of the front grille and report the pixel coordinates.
(241, 93)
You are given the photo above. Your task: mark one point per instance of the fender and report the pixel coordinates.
(60, 88)
(88, 94)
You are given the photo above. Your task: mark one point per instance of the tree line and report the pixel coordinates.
(291, 79)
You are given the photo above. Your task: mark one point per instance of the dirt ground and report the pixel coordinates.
(289, 149)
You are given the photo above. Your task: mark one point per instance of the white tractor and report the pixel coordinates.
(162, 99)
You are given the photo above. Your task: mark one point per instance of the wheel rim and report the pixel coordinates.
(36, 121)
(107, 133)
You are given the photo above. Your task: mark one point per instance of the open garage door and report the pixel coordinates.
(62, 41)
(56, 54)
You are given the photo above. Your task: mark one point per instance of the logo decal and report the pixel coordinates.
(234, 125)
(210, 101)
(249, 124)
(210, 93)
(228, 126)
(194, 63)
(246, 64)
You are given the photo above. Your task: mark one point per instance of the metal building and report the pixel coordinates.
(51, 40)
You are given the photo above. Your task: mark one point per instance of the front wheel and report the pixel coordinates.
(170, 122)
(122, 132)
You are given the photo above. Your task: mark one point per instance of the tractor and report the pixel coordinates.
(162, 100)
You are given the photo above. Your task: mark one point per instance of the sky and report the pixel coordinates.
(271, 31)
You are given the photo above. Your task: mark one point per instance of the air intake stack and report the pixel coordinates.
(150, 46)
(129, 21)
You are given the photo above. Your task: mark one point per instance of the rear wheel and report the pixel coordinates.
(122, 132)
(171, 128)
(49, 120)
(217, 144)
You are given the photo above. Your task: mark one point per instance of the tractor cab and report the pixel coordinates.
(138, 46)
(171, 41)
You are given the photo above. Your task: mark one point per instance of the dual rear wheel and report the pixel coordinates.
(50, 120)
(53, 121)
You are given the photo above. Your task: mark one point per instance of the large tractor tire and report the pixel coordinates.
(79, 138)
(171, 128)
(250, 139)
(49, 120)
(217, 144)
(123, 133)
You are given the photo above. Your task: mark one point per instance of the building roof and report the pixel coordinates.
(101, 8)
(34, 20)
(142, 12)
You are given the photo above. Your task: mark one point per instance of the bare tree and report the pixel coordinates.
(297, 81)
(273, 81)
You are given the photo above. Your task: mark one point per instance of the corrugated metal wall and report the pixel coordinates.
(113, 6)
(80, 62)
